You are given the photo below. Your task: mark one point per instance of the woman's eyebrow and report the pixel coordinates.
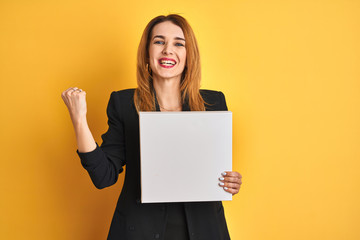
(159, 36)
(162, 37)
(179, 38)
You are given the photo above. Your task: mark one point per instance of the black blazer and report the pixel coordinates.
(133, 220)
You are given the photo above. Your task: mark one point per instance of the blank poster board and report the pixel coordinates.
(183, 155)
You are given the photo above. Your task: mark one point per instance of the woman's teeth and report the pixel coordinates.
(167, 62)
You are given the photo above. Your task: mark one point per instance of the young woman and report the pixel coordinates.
(168, 75)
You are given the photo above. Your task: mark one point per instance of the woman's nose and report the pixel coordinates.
(167, 49)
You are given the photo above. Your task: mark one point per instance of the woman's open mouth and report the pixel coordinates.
(167, 62)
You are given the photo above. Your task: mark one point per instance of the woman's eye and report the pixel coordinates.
(159, 42)
(179, 44)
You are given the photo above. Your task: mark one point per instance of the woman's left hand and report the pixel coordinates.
(230, 181)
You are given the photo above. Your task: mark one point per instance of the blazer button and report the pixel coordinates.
(131, 228)
(156, 236)
(138, 201)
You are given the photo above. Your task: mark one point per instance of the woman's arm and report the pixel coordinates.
(75, 100)
(102, 163)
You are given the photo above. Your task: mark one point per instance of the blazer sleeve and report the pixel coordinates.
(106, 162)
(222, 101)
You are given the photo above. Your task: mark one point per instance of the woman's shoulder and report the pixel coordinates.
(122, 98)
(123, 95)
(125, 92)
(214, 100)
(211, 95)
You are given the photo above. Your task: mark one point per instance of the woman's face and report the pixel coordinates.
(167, 52)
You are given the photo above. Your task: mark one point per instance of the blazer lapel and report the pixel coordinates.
(157, 106)
(185, 105)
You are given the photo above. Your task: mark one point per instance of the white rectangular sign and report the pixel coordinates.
(183, 154)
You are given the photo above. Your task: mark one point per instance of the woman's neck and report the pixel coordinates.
(168, 94)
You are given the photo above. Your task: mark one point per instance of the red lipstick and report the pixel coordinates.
(167, 62)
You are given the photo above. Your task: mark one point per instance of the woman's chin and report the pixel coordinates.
(167, 77)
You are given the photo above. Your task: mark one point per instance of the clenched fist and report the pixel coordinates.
(75, 100)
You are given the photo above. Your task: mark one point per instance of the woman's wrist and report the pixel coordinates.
(79, 122)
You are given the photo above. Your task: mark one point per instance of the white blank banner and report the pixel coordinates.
(183, 155)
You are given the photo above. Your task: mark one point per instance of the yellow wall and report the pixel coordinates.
(289, 70)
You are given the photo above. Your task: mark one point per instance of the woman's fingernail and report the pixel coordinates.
(225, 188)
(221, 184)
(221, 178)
(223, 173)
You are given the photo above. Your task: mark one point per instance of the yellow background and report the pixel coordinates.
(290, 71)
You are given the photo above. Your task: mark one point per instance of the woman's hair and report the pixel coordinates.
(144, 97)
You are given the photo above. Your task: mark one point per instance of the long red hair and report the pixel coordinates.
(144, 97)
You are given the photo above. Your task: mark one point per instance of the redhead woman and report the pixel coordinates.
(168, 76)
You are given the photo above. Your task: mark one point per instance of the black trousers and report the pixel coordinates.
(176, 227)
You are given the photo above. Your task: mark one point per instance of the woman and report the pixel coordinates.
(168, 75)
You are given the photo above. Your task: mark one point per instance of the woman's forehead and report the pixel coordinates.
(167, 29)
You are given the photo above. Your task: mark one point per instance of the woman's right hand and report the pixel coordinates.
(75, 100)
